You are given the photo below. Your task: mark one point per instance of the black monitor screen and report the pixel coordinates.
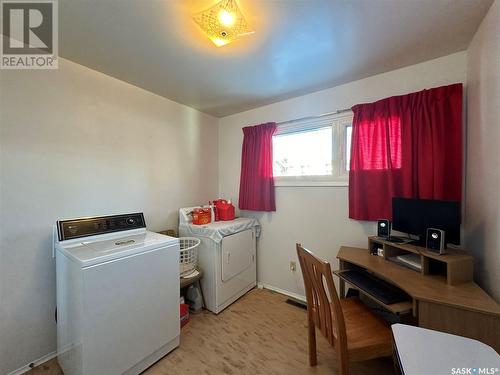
(414, 216)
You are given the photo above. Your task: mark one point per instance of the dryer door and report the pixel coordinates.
(238, 253)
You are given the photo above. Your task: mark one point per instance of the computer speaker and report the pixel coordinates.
(384, 228)
(436, 240)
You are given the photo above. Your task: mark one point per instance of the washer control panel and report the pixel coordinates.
(91, 226)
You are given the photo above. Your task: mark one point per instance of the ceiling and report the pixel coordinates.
(299, 46)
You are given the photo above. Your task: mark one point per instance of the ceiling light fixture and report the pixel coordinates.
(223, 23)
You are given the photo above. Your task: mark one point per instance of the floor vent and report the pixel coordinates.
(297, 303)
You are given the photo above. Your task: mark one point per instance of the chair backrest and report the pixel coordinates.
(323, 305)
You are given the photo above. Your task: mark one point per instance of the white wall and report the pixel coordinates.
(90, 144)
(317, 216)
(482, 226)
(75, 142)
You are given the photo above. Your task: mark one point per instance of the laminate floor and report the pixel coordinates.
(258, 334)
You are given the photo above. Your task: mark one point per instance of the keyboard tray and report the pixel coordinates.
(378, 288)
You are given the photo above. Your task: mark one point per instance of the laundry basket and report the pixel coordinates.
(188, 255)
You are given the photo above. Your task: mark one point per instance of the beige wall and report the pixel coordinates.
(91, 145)
(482, 221)
(317, 216)
(75, 142)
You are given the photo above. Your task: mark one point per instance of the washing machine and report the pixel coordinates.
(117, 295)
(226, 255)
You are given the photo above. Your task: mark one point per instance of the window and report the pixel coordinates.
(313, 152)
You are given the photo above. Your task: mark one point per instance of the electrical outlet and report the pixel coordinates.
(293, 265)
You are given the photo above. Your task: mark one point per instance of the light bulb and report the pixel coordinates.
(226, 18)
(223, 22)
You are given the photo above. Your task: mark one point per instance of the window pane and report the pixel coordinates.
(348, 137)
(303, 154)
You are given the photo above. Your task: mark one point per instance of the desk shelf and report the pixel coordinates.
(456, 266)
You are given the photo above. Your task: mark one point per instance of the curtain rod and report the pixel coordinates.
(338, 111)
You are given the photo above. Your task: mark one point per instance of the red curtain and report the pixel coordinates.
(406, 146)
(256, 181)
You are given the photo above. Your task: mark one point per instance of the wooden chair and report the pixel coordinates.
(355, 333)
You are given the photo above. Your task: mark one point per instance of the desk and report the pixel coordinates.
(463, 309)
(421, 351)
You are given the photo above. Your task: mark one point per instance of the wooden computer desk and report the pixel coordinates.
(437, 301)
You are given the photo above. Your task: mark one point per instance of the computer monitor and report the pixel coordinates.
(414, 216)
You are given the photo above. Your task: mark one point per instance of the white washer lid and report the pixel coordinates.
(88, 253)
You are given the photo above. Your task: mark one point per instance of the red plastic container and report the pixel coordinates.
(202, 216)
(225, 210)
(184, 308)
(214, 205)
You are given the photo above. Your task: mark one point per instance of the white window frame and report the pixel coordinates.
(340, 174)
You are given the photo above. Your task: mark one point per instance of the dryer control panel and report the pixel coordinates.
(91, 226)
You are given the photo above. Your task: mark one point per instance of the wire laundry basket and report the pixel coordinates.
(188, 255)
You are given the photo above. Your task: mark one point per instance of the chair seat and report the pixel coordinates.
(368, 336)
